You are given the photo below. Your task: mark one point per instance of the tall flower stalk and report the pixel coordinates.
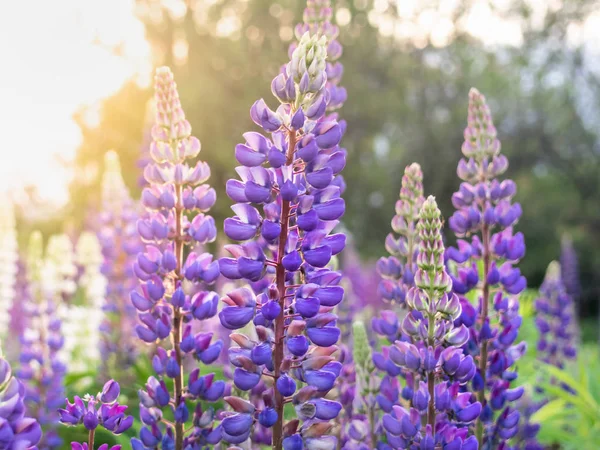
(42, 370)
(288, 247)
(485, 217)
(17, 431)
(435, 356)
(120, 245)
(174, 279)
(8, 261)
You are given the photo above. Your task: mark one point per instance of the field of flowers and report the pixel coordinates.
(167, 330)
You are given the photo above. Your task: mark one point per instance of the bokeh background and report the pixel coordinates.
(76, 82)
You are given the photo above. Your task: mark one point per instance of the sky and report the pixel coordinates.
(55, 61)
(60, 58)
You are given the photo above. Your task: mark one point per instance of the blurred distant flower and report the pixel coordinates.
(8, 261)
(101, 410)
(81, 321)
(120, 244)
(41, 370)
(555, 320)
(484, 219)
(569, 267)
(17, 431)
(174, 279)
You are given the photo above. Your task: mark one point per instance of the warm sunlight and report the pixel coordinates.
(56, 58)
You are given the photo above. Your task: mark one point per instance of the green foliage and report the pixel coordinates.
(572, 417)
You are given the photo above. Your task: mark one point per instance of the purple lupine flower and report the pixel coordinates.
(42, 370)
(17, 431)
(174, 276)
(398, 270)
(120, 244)
(434, 354)
(95, 411)
(555, 320)
(18, 317)
(569, 268)
(293, 175)
(484, 220)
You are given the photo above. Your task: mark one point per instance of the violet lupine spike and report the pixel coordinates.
(484, 218)
(18, 316)
(287, 248)
(42, 371)
(555, 320)
(120, 244)
(17, 431)
(569, 268)
(397, 278)
(93, 411)
(434, 356)
(175, 277)
(397, 271)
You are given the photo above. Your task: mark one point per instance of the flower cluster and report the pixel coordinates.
(174, 274)
(94, 411)
(287, 248)
(16, 430)
(555, 320)
(435, 357)
(8, 261)
(120, 244)
(81, 322)
(483, 219)
(42, 370)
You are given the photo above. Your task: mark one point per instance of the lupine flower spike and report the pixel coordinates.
(555, 320)
(17, 431)
(42, 369)
(95, 411)
(287, 247)
(8, 261)
(120, 245)
(484, 221)
(435, 357)
(174, 275)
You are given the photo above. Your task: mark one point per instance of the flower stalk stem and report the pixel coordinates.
(280, 320)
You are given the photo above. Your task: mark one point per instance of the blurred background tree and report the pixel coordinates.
(408, 68)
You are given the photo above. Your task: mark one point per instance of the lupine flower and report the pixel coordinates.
(120, 245)
(174, 276)
(484, 220)
(59, 271)
(42, 370)
(17, 431)
(398, 270)
(81, 322)
(93, 411)
(435, 355)
(293, 176)
(569, 267)
(8, 261)
(18, 316)
(555, 320)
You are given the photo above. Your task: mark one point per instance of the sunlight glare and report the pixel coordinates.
(65, 56)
